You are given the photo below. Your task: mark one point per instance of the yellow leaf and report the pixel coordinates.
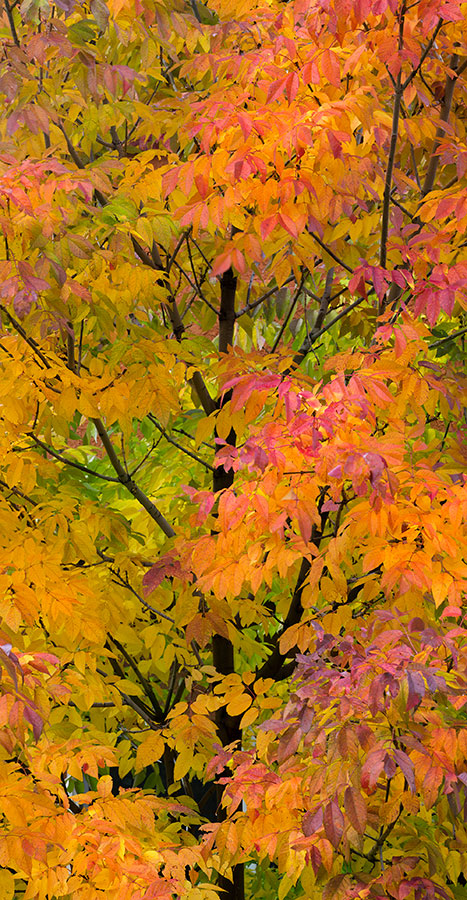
(239, 704)
(104, 786)
(149, 751)
(204, 429)
(144, 231)
(250, 716)
(7, 885)
(183, 763)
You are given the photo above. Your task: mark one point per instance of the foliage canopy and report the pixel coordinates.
(232, 489)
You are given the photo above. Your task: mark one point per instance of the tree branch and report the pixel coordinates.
(142, 680)
(179, 446)
(30, 341)
(291, 309)
(227, 310)
(314, 335)
(423, 56)
(448, 337)
(398, 93)
(331, 253)
(445, 111)
(125, 479)
(69, 462)
(11, 22)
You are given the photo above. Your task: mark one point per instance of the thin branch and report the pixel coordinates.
(287, 318)
(125, 583)
(198, 286)
(402, 208)
(398, 93)
(16, 491)
(128, 482)
(11, 22)
(314, 335)
(69, 462)
(331, 253)
(142, 680)
(171, 258)
(445, 111)
(145, 457)
(424, 55)
(273, 290)
(449, 337)
(30, 341)
(179, 446)
(415, 168)
(80, 346)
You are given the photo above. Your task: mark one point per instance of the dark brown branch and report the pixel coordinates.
(142, 680)
(314, 335)
(69, 462)
(30, 341)
(125, 479)
(445, 111)
(270, 293)
(448, 337)
(274, 663)
(126, 584)
(16, 491)
(424, 55)
(331, 253)
(190, 453)
(11, 22)
(227, 310)
(398, 93)
(287, 318)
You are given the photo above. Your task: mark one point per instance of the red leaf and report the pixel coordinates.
(312, 822)
(166, 567)
(371, 769)
(221, 264)
(276, 89)
(289, 224)
(406, 766)
(245, 124)
(333, 823)
(35, 720)
(355, 807)
(31, 281)
(330, 67)
(291, 86)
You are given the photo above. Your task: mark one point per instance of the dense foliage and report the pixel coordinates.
(232, 477)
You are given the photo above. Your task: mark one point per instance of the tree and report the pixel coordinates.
(232, 486)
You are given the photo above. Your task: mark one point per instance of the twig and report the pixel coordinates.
(424, 55)
(179, 446)
(145, 457)
(286, 320)
(17, 492)
(398, 93)
(313, 336)
(415, 168)
(11, 22)
(446, 109)
(142, 680)
(128, 482)
(331, 253)
(80, 346)
(273, 290)
(126, 584)
(182, 238)
(69, 462)
(448, 337)
(30, 341)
